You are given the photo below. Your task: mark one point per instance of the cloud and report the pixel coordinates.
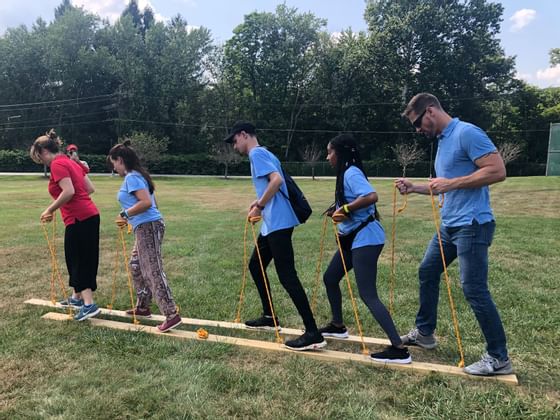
(522, 18)
(528, 77)
(112, 9)
(550, 76)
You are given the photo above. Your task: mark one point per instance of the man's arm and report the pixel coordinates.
(491, 169)
(275, 181)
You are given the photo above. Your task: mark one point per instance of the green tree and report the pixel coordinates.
(269, 60)
(554, 56)
(149, 148)
(449, 48)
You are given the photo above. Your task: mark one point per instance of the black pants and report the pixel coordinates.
(364, 262)
(278, 246)
(81, 249)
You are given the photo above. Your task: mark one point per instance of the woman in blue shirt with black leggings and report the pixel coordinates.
(362, 239)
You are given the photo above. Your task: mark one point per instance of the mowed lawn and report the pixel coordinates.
(73, 370)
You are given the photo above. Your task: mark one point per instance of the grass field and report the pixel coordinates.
(72, 370)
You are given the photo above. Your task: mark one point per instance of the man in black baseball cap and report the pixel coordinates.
(238, 127)
(273, 207)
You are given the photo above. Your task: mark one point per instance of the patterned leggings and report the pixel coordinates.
(147, 269)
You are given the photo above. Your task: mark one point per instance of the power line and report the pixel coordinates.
(58, 101)
(58, 125)
(297, 130)
(65, 117)
(45, 107)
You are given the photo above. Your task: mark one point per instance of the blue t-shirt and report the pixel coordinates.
(356, 185)
(134, 181)
(460, 145)
(278, 213)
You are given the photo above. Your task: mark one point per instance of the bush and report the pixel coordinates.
(17, 161)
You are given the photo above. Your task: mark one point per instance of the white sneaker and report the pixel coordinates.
(489, 366)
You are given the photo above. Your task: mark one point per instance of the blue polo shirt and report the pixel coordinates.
(278, 213)
(460, 145)
(134, 181)
(356, 185)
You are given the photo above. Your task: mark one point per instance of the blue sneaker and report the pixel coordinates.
(87, 311)
(71, 301)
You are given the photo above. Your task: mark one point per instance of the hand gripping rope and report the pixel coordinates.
(392, 276)
(447, 282)
(55, 271)
(252, 222)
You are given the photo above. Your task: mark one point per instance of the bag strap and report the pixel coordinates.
(285, 183)
(362, 225)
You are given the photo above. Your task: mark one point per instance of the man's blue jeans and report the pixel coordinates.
(470, 243)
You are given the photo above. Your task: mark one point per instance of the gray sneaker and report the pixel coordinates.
(415, 338)
(489, 366)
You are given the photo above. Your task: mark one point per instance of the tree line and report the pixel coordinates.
(97, 82)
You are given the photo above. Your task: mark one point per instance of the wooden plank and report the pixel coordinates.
(328, 355)
(211, 323)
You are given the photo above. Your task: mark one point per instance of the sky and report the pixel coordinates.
(527, 29)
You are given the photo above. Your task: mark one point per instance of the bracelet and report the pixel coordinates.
(259, 207)
(345, 209)
(124, 214)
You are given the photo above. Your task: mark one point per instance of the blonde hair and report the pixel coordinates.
(50, 141)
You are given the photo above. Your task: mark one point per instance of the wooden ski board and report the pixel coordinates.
(328, 355)
(210, 323)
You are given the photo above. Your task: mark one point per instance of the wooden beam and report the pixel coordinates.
(327, 355)
(210, 323)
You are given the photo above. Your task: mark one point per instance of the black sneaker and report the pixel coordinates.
(307, 341)
(265, 322)
(393, 354)
(332, 330)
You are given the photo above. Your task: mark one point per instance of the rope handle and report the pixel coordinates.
(319, 263)
(365, 350)
(447, 281)
(278, 338)
(128, 275)
(55, 270)
(244, 278)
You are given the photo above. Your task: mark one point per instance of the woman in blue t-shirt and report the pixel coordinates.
(136, 197)
(362, 238)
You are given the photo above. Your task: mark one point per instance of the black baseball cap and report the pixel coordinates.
(238, 127)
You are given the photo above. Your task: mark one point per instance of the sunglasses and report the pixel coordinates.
(417, 123)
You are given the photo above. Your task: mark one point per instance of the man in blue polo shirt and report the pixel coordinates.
(466, 163)
(275, 239)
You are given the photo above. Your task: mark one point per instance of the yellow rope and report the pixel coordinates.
(55, 271)
(53, 263)
(354, 306)
(447, 281)
(202, 333)
(393, 276)
(319, 263)
(244, 278)
(115, 272)
(128, 275)
(253, 221)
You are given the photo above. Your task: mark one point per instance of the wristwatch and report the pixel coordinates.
(123, 214)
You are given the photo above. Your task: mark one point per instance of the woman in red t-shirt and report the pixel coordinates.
(70, 188)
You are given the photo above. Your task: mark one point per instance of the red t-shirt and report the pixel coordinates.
(80, 206)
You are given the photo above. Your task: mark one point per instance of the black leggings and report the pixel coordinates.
(364, 262)
(81, 250)
(277, 246)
